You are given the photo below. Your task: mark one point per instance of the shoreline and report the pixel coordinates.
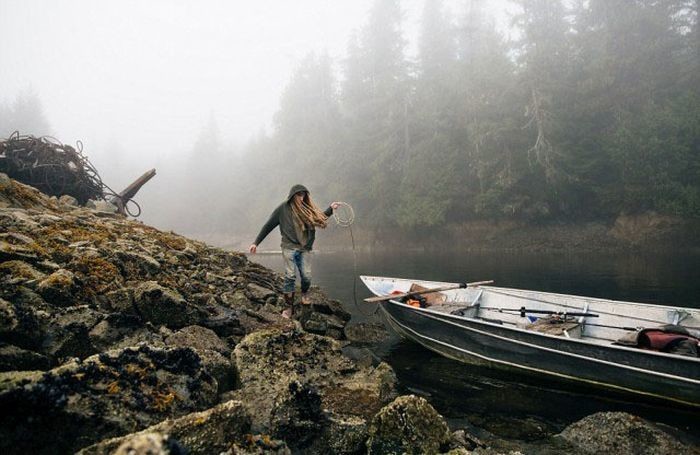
(117, 335)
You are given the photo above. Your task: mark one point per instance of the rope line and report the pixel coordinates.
(345, 217)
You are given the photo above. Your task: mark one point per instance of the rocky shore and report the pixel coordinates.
(116, 337)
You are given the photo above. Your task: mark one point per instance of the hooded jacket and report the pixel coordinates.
(282, 216)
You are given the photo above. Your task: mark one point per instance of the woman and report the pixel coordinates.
(298, 217)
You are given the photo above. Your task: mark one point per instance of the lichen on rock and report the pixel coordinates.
(131, 325)
(621, 433)
(408, 425)
(207, 432)
(161, 305)
(104, 395)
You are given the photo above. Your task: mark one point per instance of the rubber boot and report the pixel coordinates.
(289, 302)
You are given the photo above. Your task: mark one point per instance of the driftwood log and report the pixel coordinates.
(121, 199)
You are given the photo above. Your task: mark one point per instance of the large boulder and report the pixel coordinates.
(322, 316)
(297, 416)
(137, 265)
(206, 432)
(120, 300)
(276, 368)
(67, 332)
(22, 319)
(198, 338)
(621, 433)
(259, 293)
(163, 306)
(215, 354)
(322, 324)
(105, 395)
(113, 329)
(408, 425)
(59, 288)
(342, 434)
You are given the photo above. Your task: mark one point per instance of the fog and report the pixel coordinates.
(174, 84)
(145, 77)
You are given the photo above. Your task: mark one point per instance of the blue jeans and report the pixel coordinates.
(296, 260)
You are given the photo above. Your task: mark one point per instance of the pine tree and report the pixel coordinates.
(428, 180)
(26, 115)
(489, 132)
(376, 96)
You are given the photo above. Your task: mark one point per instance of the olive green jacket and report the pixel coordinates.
(282, 217)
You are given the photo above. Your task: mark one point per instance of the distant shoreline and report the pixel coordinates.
(648, 232)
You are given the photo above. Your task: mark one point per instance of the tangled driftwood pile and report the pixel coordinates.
(57, 169)
(50, 166)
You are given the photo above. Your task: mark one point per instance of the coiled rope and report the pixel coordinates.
(344, 215)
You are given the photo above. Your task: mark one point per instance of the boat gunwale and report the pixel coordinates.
(547, 335)
(571, 354)
(417, 336)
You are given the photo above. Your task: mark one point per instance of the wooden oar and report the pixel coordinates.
(384, 298)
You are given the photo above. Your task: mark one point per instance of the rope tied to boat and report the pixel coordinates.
(344, 216)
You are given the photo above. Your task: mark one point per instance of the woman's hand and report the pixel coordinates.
(335, 205)
(253, 248)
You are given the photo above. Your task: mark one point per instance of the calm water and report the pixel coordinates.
(511, 405)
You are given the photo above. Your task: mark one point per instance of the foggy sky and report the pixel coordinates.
(143, 78)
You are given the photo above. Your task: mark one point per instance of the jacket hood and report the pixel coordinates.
(296, 189)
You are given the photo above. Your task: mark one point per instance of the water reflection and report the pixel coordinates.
(513, 405)
(663, 279)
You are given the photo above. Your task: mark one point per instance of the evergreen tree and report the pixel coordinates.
(25, 115)
(428, 174)
(544, 57)
(489, 130)
(591, 112)
(634, 66)
(376, 94)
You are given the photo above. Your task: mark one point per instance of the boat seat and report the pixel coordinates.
(555, 326)
(461, 310)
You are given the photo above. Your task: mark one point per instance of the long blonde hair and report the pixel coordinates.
(307, 214)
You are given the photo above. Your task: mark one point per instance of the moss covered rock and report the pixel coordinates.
(621, 433)
(106, 395)
(163, 306)
(206, 432)
(408, 425)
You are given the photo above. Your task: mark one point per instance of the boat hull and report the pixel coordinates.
(664, 377)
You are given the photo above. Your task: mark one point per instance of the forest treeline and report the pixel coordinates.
(592, 110)
(588, 109)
